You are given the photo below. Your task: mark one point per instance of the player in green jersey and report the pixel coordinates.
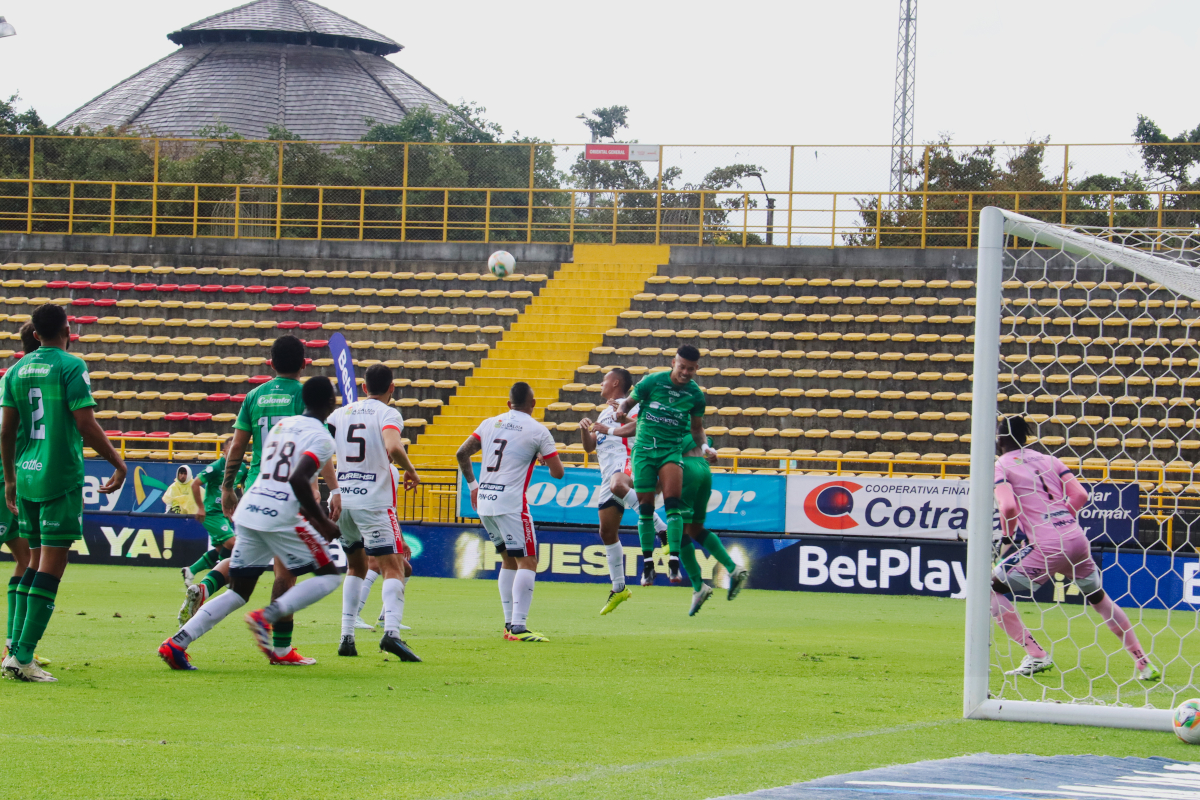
(220, 533)
(670, 406)
(266, 404)
(47, 419)
(693, 503)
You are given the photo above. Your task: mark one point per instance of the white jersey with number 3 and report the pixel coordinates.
(270, 504)
(364, 468)
(511, 445)
(613, 452)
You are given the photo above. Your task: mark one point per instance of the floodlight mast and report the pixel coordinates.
(903, 110)
(6, 28)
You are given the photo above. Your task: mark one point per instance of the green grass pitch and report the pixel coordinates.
(770, 689)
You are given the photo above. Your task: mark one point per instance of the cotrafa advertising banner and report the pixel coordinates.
(145, 485)
(738, 502)
(903, 507)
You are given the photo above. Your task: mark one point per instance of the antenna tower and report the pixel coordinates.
(904, 106)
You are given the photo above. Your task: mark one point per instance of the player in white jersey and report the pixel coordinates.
(511, 444)
(281, 517)
(366, 435)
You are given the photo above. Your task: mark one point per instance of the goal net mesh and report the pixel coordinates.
(1098, 351)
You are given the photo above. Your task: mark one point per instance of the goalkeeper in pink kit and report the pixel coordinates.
(1041, 495)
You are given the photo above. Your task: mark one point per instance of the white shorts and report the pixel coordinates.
(301, 550)
(604, 495)
(375, 529)
(512, 533)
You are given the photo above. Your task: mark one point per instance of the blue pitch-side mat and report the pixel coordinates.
(1012, 777)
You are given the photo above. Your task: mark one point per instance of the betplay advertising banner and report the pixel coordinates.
(738, 502)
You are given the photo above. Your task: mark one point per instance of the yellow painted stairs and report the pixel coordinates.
(554, 335)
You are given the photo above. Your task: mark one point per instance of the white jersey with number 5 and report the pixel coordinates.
(364, 468)
(270, 504)
(613, 452)
(511, 445)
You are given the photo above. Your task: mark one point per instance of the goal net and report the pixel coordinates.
(1090, 334)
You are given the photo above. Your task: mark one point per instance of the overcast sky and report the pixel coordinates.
(798, 72)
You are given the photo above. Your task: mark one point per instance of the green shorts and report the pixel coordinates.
(219, 529)
(647, 463)
(57, 522)
(697, 488)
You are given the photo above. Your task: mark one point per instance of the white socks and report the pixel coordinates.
(367, 582)
(351, 592)
(507, 576)
(616, 565)
(209, 615)
(522, 596)
(630, 500)
(300, 596)
(393, 605)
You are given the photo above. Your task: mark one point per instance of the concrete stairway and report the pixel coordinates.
(553, 336)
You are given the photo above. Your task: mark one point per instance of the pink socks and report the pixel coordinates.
(1007, 617)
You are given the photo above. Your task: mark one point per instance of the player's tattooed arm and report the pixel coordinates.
(237, 451)
(698, 429)
(93, 437)
(467, 449)
(301, 483)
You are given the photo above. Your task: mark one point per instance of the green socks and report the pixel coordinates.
(19, 605)
(674, 530)
(687, 555)
(714, 547)
(213, 582)
(646, 529)
(206, 561)
(281, 635)
(40, 607)
(13, 583)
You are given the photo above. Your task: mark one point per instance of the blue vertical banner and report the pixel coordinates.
(343, 368)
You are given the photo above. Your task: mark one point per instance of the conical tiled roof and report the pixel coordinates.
(308, 23)
(290, 63)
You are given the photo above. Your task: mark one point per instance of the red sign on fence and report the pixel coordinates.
(620, 152)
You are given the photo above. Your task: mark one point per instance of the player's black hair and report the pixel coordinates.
(520, 394)
(29, 342)
(49, 320)
(379, 379)
(688, 353)
(317, 393)
(287, 354)
(1015, 428)
(626, 378)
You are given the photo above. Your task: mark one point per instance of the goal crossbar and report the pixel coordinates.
(994, 227)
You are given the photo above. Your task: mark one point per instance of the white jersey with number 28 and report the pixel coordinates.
(270, 504)
(511, 445)
(364, 468)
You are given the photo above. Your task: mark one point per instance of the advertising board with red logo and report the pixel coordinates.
(904, 507)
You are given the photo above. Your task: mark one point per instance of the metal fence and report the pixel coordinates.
(813, 195)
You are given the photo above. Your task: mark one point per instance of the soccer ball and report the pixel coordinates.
(501, 263)
(1187, 721)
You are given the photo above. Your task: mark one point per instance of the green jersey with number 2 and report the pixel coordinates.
(45, 387)
(275, 400)
(665, 412)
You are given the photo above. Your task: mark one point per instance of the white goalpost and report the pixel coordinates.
(1090, 334)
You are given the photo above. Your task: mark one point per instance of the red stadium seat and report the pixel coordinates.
(135, 433)
(82, 301)
(58, 284)
(219, 397)
(190, 287)
(18, 355)
(255, 289)
(200, 416)
(113, 433)
(257, 379)
(145, 287)
(158, 434)
(317, 343)
(308, 362)
(77, 285)
(233, 289)
(307, 308)
(298, 290)
(120, 287)
(211, 288)
(277, 290)
(175, 416)
(106, 302)
(237, 398)
(74, 336)
(168, 287)
(288, 325)
(88, 319)
(308, 326)
(282, 307)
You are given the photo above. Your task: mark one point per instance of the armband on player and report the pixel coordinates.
(708, 451)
